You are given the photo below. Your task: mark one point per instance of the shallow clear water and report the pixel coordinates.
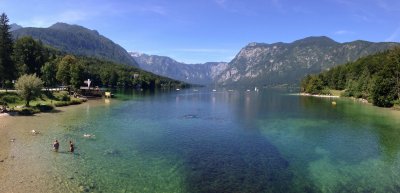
(267, 141)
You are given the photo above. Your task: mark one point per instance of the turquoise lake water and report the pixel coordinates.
(267, 141)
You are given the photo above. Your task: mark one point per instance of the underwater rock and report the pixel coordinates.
(191, 116)
(112, 152)
(84, 189)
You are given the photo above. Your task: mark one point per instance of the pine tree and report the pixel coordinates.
(7, 67)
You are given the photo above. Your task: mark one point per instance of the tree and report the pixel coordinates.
(394, 57)
(64, 67)
(7, 67)
(383, 93)
(49, 71)
(76, 73)
(29, 55)
(29, 87)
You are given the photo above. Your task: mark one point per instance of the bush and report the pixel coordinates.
(44, 107)
(76, 101)
(61, 103)
(62, 96)
(10, 99)
(26, 111)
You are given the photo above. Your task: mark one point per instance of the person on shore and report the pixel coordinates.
(71, 147)
(56, 145)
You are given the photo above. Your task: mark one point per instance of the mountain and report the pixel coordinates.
(203, 74)
(78, 40)
(15, 26)
(286, 63)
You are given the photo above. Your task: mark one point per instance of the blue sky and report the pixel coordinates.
(197, 31)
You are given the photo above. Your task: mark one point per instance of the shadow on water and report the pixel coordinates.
(230, 159)
(241, 165)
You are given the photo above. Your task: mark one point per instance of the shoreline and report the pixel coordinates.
(27, 163)
(315, 95)
(361, 100)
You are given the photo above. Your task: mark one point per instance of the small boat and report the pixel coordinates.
(178, 89)
(214, 90)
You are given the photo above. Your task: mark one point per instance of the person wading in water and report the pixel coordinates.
(71, 147)
(56, 145)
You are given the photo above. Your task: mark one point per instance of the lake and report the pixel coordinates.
(226, 141)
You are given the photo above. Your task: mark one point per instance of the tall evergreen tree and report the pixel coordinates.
(7, 67)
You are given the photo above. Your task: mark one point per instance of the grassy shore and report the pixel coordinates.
(45, 103)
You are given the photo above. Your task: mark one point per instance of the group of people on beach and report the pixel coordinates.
(56, 145)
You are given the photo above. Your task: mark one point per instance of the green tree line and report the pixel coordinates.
(375, 78)
(55, 68)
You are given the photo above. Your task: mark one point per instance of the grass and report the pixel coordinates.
(45, 103)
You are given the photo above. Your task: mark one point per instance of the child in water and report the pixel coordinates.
(71, 147)
(56, 145)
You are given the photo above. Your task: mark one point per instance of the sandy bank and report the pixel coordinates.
(27, 163)
(316, 95)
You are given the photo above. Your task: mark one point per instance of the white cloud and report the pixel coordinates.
(73, 16)
(69, 16)
(395, 36)
(221, 3)
(154, 9)
(343, 32)
(392, 6)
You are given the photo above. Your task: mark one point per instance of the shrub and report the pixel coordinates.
(44, 107)
(26, 111)
(61, 103)
(10, 99)
(62, 96)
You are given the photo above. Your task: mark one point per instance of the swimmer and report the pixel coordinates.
(56, 145)
(88, 135)
(71, 147)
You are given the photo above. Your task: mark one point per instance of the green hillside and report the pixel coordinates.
(374, 77)
(79, 41)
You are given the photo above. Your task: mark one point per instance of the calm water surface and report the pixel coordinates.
(267, 141)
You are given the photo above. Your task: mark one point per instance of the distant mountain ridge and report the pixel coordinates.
(77, 40)
(15, 26)
(286, 63)
(203, 74)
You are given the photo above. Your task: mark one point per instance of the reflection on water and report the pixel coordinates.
(233, 141)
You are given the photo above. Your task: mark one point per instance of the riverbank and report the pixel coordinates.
(336, 94)
(27, 162)
(318, 95)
